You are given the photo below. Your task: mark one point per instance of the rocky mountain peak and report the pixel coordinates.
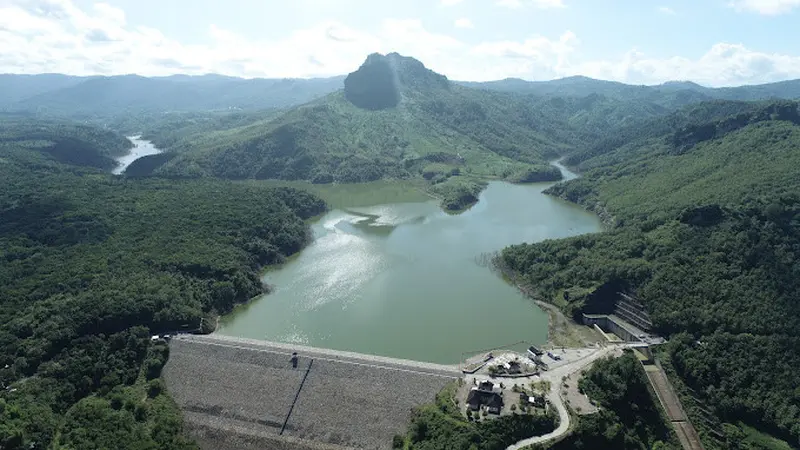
(381, 80)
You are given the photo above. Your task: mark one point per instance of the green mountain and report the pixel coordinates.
(704, 228)
(61, 141)
(579, 86)
(394, 119)
(575, 86)
(789, 89)
(633, 132)
(99, 96)
(397, 119)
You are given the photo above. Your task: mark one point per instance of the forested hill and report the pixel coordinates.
(705, 230)
(91, 265)
(397, 119)
(66, 142)
(635, 134)
(394, 119)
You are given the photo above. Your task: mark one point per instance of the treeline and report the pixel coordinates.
(91, 265)
(458, 193)
(628, 418)
(709, 240)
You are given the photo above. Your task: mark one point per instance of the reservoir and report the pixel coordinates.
(140, 148)
(410, 281)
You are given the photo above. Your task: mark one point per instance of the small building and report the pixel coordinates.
(537, 399)
(495, 404)
(533, 351)
(513, 367)
(485, 395)
(486, 386)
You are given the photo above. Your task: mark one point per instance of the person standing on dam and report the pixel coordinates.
(294, 360)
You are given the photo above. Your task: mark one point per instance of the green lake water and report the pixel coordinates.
(409, 281)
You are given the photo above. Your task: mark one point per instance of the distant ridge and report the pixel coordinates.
(581, 86)
(64, 95)
(98, 96)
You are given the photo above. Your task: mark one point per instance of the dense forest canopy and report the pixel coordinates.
(629, 417)
(79, 145)
(91, 265)
(705, 229)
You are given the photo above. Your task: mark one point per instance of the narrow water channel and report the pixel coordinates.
(409, 281)
(140, 148)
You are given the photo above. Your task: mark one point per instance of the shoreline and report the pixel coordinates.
(562, 331)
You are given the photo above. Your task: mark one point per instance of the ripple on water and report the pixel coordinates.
(341, 264)
(401, 280)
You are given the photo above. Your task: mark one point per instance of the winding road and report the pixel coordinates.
(554, 396)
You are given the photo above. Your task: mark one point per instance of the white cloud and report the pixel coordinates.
(450, 2)
(56, 36)
(724, 64)
(666, 10)
(536, 55)
(509, 3)
(766, 7)
(463, 23)
(541, 4)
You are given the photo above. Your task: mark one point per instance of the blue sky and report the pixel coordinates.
(713, 42)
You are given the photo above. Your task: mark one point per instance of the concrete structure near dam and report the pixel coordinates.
(245, 394)
(628, 321)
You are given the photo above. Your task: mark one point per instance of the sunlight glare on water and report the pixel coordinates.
(403, 280)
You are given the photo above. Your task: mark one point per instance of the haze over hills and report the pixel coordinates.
(671, 94)
(92, 96)
(64, 95)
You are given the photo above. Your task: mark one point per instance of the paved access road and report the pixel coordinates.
(581, 359)
(554, 377)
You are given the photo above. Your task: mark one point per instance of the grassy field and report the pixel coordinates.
(350, 195)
